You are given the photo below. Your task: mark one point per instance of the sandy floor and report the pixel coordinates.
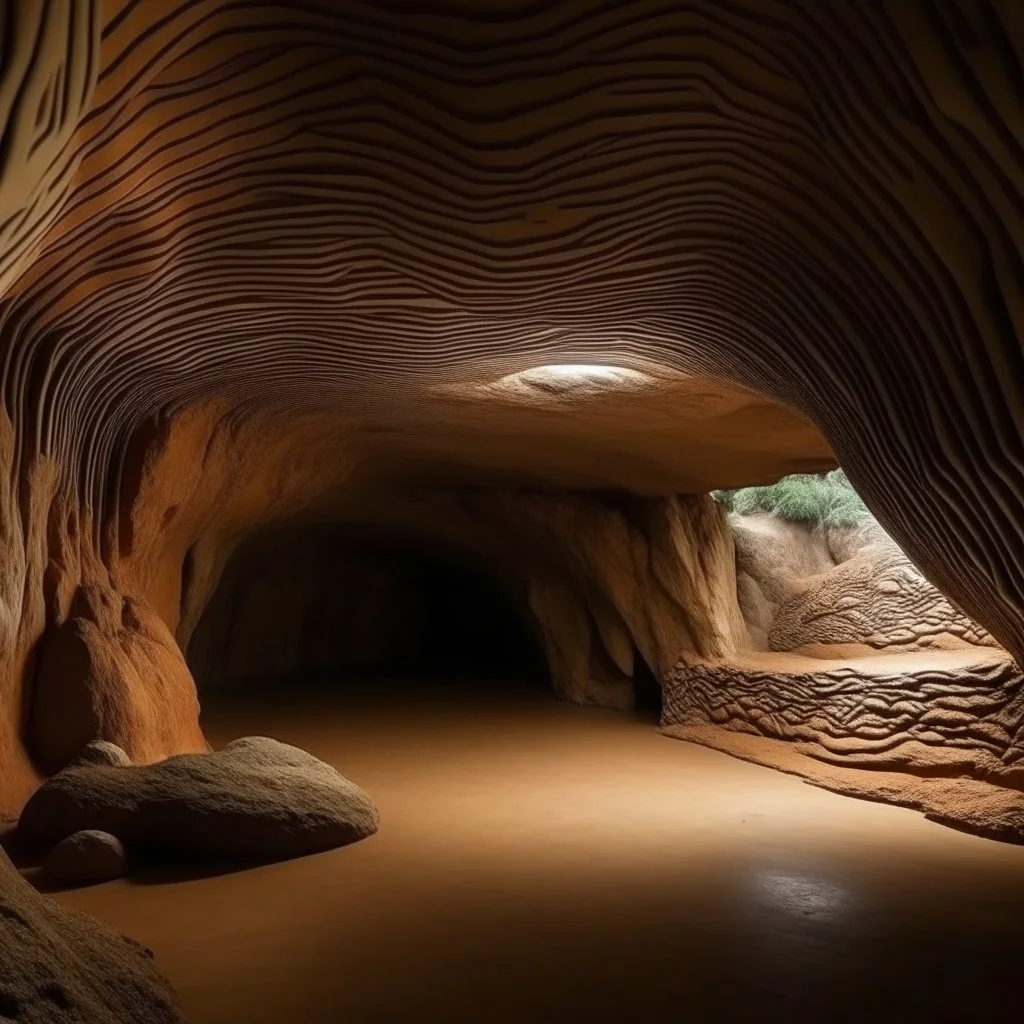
(541, 862)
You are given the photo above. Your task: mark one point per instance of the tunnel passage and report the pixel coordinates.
(349, 607)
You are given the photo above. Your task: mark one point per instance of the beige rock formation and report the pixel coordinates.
(112, 671)
(802, 585)
(858, 663)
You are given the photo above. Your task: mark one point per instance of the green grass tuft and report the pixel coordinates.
(827, 498)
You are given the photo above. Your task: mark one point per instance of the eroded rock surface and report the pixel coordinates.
(958, 800)
(58, 966)
(879, 598)
(928, 713)
(254, 798)
(867, 666)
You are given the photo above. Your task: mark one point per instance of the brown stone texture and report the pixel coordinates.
(112, 671)
(58, 966)
(878, 598)
(958, 800)
(933, 713)
(857, 662)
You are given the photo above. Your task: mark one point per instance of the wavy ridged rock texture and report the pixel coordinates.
(804, 585)
(253, 254)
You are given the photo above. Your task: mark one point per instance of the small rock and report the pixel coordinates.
(85, 858)
(100, 752)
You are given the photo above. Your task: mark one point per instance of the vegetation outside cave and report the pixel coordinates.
(825, 498)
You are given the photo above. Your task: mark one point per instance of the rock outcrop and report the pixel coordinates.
(857, 662)
(255, 798)
(58, 966)
(878, 598)
(112, 671)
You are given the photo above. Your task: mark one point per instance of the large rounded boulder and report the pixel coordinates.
(255, 798)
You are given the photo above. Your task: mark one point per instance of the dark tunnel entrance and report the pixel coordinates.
(646, 691)
(345, 608)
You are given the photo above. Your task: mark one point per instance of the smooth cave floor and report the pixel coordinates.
(543, 862)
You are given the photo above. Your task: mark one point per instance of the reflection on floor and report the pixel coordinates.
(540, 862)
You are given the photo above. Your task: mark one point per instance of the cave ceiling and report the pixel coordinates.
(800, 221)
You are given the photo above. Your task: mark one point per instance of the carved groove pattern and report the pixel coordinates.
(968, 718)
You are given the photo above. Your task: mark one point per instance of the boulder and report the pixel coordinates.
(85, 858)
(255, 798)
(58, 966)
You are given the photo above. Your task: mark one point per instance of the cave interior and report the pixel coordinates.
(416, 417)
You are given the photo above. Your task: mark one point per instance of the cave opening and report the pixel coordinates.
(350, 608)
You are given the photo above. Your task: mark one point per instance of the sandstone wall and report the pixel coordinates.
(860, 664)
